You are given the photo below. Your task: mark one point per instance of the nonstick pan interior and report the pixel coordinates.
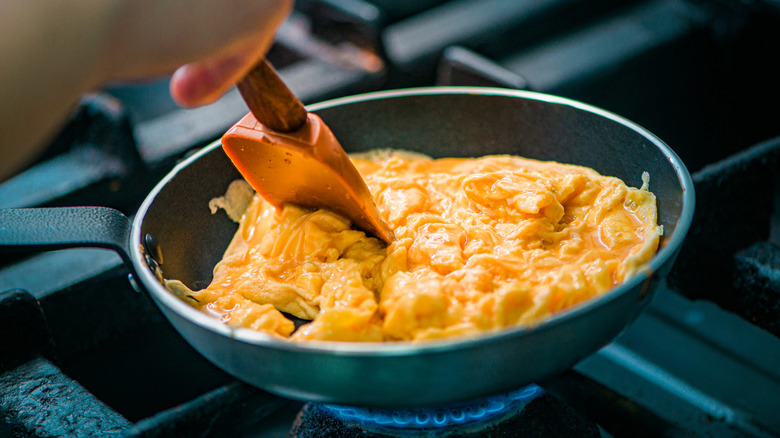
(439, 122)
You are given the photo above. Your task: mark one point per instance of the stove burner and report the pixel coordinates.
(465, 414)
(528, 411)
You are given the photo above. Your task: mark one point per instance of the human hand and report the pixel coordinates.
(56, 51)
(217, 41)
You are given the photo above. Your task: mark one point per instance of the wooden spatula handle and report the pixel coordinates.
(269, 99)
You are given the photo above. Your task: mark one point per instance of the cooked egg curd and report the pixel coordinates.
(482, 244)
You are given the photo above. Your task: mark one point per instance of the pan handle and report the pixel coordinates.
(44, 229)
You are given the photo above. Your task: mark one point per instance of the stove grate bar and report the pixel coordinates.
(38, 400)
(229, 410)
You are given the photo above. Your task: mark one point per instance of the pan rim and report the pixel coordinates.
(668, 250)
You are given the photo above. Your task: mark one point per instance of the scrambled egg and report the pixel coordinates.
(482, 244)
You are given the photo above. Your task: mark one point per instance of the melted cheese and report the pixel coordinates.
(482, 244)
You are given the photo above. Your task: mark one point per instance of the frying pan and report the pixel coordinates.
(174, 235)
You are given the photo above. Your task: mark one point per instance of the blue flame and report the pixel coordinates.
(466, 413)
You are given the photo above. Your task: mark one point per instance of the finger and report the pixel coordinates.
(204, 82)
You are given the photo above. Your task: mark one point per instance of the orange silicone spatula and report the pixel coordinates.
(289, 155)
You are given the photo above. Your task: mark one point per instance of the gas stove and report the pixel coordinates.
(83, 354)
